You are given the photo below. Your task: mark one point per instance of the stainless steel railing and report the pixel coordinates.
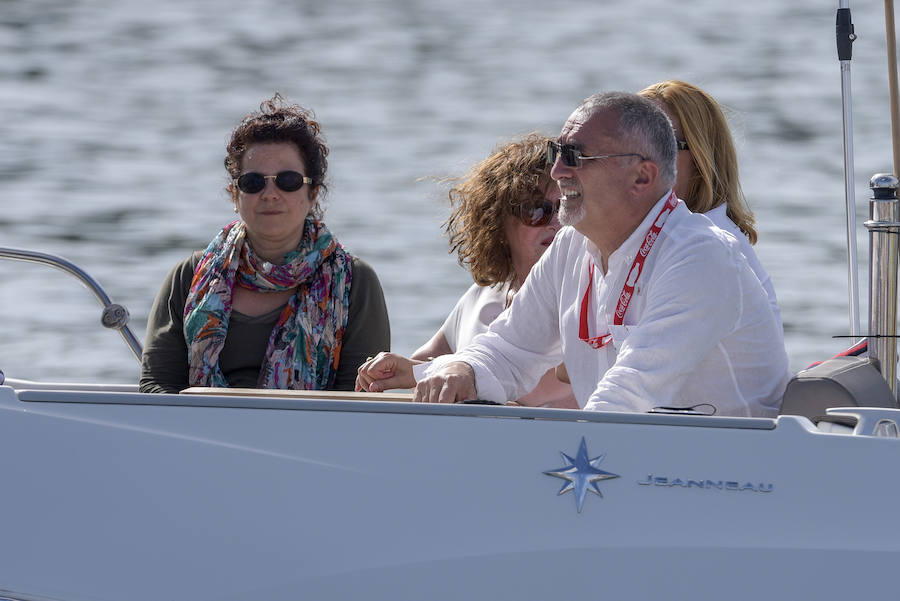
(884, 229)
(114, 316)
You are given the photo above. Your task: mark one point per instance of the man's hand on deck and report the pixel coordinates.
(452, 383)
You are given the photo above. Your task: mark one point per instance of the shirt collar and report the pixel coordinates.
(628, 248)
(719, 211)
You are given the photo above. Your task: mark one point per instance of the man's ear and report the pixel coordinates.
(646, 174)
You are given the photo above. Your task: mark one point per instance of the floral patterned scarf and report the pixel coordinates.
(305, 344)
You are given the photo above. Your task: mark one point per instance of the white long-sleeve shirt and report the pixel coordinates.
(719, 216)
(698, 329)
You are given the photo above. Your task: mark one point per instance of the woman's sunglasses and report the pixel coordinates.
(287, 181)
(537, 213)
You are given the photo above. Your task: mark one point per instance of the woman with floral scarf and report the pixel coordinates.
(274, 301)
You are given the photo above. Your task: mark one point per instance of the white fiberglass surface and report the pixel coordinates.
(232, 503)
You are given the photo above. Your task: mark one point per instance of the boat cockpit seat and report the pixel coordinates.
(837, 382)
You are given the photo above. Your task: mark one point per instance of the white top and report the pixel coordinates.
(698, 329)
(473, 313)
(719, 217)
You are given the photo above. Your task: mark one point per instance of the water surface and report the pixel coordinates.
(115, 116)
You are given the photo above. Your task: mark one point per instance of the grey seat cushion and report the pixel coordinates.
(837, 382)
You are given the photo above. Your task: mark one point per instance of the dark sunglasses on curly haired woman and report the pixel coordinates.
(287, 181)
(537, 213)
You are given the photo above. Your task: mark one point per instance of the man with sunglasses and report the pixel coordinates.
(649, 305)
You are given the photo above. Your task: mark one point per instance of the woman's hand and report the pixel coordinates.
(385, 371)
(562, 374)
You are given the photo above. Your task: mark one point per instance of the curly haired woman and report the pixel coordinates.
(503, 219)
(274, 301)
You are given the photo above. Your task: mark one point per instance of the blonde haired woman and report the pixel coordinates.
(708, 179)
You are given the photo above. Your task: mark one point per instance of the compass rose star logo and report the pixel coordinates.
(581, 474)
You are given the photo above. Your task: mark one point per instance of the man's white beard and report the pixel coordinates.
(568, 214)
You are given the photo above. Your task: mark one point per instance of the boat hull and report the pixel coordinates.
(112, 496)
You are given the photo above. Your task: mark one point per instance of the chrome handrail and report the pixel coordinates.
(115, 316)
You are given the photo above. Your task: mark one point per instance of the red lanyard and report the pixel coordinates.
(633, 275)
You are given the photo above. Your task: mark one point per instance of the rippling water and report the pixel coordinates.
(115, 115)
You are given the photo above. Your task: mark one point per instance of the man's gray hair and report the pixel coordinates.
(643, 125)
